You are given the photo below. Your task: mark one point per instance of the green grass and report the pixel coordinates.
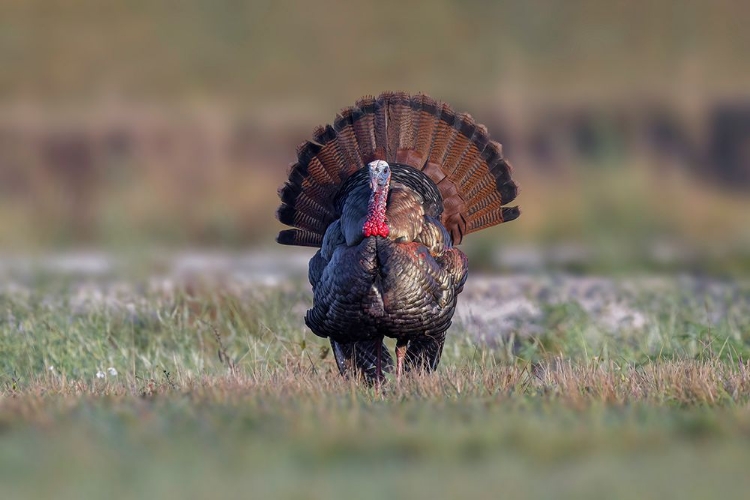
(221, 392)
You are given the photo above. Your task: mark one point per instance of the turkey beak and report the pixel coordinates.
(375, 182)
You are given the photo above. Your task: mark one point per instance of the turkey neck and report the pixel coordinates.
(375, 224)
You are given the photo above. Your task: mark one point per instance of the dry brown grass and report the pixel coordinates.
(571, 384)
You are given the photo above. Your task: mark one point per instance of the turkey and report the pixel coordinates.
(386, 193)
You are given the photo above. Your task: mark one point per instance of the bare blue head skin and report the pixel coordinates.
(380, 179)
(380, 175)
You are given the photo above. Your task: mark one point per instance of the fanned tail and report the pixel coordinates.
(454, 151)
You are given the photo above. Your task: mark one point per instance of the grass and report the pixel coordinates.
(220, 392)
(291, 432)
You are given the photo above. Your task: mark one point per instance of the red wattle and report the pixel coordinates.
(375, 224)
(375, 228)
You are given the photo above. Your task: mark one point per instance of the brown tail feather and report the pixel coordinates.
(381, 124)
(442, 136)
(452, 149)
(363, 117)
(398, 128)
(403, 115)
(426, 109)
(300, 238)
(347, 139)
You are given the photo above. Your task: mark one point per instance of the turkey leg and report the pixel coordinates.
(400, 355)
(379, 362)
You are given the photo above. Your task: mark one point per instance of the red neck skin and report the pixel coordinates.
(375, 224)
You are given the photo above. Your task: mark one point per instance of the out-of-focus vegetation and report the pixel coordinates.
(137, 124)
(280, 54)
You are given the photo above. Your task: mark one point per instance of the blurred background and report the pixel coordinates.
(131, 126)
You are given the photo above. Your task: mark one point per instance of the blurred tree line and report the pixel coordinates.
(173, 122)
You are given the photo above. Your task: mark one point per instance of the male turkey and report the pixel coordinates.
(386, 193)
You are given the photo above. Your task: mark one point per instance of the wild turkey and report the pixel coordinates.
(386, 193)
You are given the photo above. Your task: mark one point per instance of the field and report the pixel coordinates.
(210, 386)
(151, 334)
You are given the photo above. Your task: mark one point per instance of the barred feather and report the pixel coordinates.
(454, 151)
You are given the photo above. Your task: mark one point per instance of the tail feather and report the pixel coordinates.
(472, 158)
(398, 124)
(327, 154)
(290, 216)
(347, 140)
(363, 116)
(381, 124)
(403, 115)
(428, 111)
(442, 136)
(300, 238)
(304, 203)
(454, 156)
(333, 152)
(490, 202)
(454, 151)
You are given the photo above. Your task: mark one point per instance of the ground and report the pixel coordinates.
(195, 377)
